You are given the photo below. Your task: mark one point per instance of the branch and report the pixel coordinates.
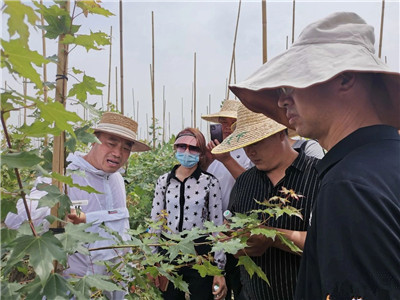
(3, 123)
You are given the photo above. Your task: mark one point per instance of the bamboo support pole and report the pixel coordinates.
(109, 73)
(133, 104)
(152, 80)
(61, 93)
(194, 93)
(45, 88)
(233, 51)
(293, 21)
(183, 123)
(25, 87)
(164, 106)
(381, 30)
(121, 55)
(116, 88)
(264, 30)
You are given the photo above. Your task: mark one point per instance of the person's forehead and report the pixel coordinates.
(116, 138)
(226, 119)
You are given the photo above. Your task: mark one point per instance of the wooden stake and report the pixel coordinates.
(116, 88)
(152, 80)
(109, 73)
(233, 51)
(381, 31)
(121, 51)
(293, 21)
(264, 30)
(45, 88)
(164, 104)
(61, 93)
(183, 123)
(194, 93)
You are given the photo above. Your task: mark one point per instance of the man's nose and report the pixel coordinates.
(117, 151)
(283, 101)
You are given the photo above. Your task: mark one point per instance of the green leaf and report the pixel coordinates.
(91, 6)
(289, 243)
(20, 160)
(16, 22)
(56, 112)
(68, 180)
(100, 282)
(42, 250)
(267, 232)
(231, 246)
(87, 86)
(206, 268)
(7, 205)
(75, 235)
(91, 41)
(21, 58)
(252, 268)
(53, 197)
(9, 290)
(39, 129)
(7, 235)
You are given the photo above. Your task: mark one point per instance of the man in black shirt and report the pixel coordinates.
(277, 166)
(330, 86)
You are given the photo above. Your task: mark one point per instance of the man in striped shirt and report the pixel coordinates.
(277, 166)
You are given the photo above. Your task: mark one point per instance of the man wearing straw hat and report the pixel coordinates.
(277, 166)
(330, 86)
(100, 169)
(227, 167)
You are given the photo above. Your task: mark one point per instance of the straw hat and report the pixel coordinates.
(338, 43)
(228, 110)
(121, 126)
(250, 128)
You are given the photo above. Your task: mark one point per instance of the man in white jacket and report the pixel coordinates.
(100, 169)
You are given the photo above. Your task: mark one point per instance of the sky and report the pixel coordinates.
(207, 28)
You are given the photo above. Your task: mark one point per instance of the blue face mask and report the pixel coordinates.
(186, 159)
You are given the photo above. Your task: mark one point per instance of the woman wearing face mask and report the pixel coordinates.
(190, 196)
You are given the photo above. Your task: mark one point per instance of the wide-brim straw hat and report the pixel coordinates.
(228, 110)
(338, 43)
(249, 128)
(121, 126)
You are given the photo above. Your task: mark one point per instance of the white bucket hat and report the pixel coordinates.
(228, 110)
(250, 128)
(338, 43)
(121, 126)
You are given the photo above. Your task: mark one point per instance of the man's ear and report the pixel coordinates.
(347, 80)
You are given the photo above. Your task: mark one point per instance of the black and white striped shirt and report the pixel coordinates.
(280, 267)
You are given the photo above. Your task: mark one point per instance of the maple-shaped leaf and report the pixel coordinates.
(89, 41)
(18, 13)
(9, 290)
(100, 282)
(89, 85)
(179, 283)
(93, 7)
(69, 181)
(20, 159)
(21, 58)
(42, 251)
(39, 129)
(206, 268)
(252, 268)
(54, 111)
(267, 232)
(231, 246)
(53, 197)
(75, 236)
(289, 243)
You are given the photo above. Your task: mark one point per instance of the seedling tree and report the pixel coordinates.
(32, 258)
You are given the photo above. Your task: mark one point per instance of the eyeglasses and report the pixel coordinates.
(183, 147)
(285, 91)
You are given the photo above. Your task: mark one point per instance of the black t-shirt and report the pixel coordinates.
(352, 248)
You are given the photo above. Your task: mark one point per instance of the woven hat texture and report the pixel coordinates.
(250, 128)
(121, 126)
(228, 110)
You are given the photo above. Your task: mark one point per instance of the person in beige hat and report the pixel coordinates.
(227, 167)
(277, 166)
(331, 86)
(100, 169)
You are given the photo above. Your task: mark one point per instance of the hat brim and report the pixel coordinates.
(136, 147)
(306, 65)
(215, 117)
(242, 139)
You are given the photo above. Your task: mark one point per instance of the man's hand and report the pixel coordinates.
(221, 157)
(257, 244)
(221, 291)
(75, 218)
